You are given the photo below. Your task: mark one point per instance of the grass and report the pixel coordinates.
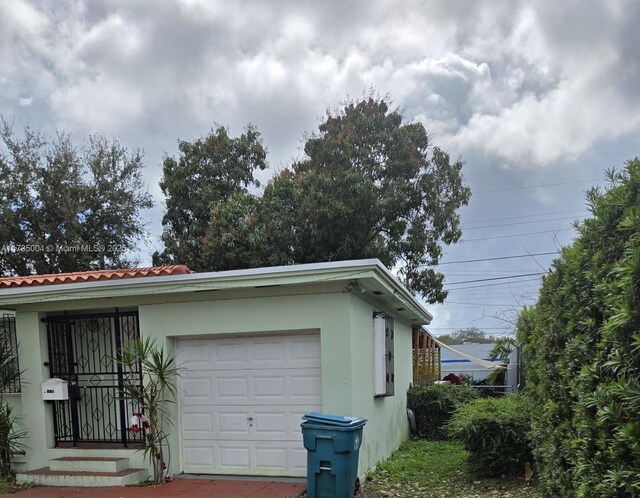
(437, 469)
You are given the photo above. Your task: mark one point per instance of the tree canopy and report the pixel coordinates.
(208, 172)
(65, 208)
(370, 186)
(472, 334)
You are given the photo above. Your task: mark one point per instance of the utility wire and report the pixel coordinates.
(536, 186)
(525, 216)
(477, 304)
(519, 223)
(493, 285)
(517, 235)
(466, 327)
(496, 258)
(495, 278)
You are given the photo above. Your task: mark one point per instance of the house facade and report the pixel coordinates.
(256, 350)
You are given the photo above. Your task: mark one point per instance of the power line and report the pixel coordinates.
(525, 216)
(519, 223)
(466, 327)
(495, 278)
(478, 304)
(536, 186)
(480, 273)
(517, 235)
(493, 285)
(497, 258)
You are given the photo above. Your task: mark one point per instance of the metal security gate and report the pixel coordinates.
(83, 349)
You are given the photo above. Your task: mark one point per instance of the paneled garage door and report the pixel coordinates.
(241, 402)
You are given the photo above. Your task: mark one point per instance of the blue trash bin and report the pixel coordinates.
(333, 445)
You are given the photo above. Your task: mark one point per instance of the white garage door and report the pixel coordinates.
(241, 403)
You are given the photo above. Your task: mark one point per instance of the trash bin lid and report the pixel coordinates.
(335, 420)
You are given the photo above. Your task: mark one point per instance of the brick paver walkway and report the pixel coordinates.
(179, 488)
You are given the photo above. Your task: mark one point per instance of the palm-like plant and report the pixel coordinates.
(150, 396)
(11, 435)
(502, 348)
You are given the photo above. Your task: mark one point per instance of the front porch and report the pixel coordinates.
(88, 440)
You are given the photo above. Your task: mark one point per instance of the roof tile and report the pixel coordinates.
(92, 276)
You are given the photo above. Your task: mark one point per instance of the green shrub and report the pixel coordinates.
(434, 405)
(581, 348)
(496, 432)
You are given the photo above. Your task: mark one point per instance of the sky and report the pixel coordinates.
(537, 98)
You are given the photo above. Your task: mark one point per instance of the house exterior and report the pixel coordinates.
(257, 349)
(457, 364)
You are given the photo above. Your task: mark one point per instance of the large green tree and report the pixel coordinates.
(207, 172)
(64, 208)
(370, 186)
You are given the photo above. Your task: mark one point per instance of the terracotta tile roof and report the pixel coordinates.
(92, 276)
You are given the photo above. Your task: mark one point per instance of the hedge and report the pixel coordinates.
(496, 433)
(581, 348)
(433, 406)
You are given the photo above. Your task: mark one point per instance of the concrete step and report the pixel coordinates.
(88, 464)
(48, 477)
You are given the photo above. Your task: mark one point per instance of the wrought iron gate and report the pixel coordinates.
(84, 349)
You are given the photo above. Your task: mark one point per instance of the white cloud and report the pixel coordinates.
(514, 81)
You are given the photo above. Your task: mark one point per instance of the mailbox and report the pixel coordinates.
(55, 390)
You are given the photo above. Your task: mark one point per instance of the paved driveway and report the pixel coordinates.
(181, 488)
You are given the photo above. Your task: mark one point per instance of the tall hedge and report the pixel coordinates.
(582, 352)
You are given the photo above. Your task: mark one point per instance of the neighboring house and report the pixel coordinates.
(457, 364)
(258, 349)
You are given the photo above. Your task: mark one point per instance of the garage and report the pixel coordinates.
(241, 402)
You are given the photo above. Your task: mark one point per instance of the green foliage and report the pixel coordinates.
(150, 397)
(502, 349)
(11, 432)
(207, 173)
(370, 186)
(66, 209)
(233, 238)
(496, 433)
(582, 352)
(434, 405)
(461, 336)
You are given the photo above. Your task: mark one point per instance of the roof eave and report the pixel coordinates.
(234, 279)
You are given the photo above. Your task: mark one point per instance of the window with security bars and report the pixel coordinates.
(9, 354)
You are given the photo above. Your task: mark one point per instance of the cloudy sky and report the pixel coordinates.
(538, 98)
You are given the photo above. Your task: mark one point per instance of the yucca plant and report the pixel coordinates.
(11, 434)
(150, 399)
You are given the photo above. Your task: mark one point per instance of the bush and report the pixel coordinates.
(496, 431)
(434, 405)
(581, 348)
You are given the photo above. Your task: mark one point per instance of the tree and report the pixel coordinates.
(234, 238)
(370, 186)
(64, 208)
(206, 174)
(472, 334)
